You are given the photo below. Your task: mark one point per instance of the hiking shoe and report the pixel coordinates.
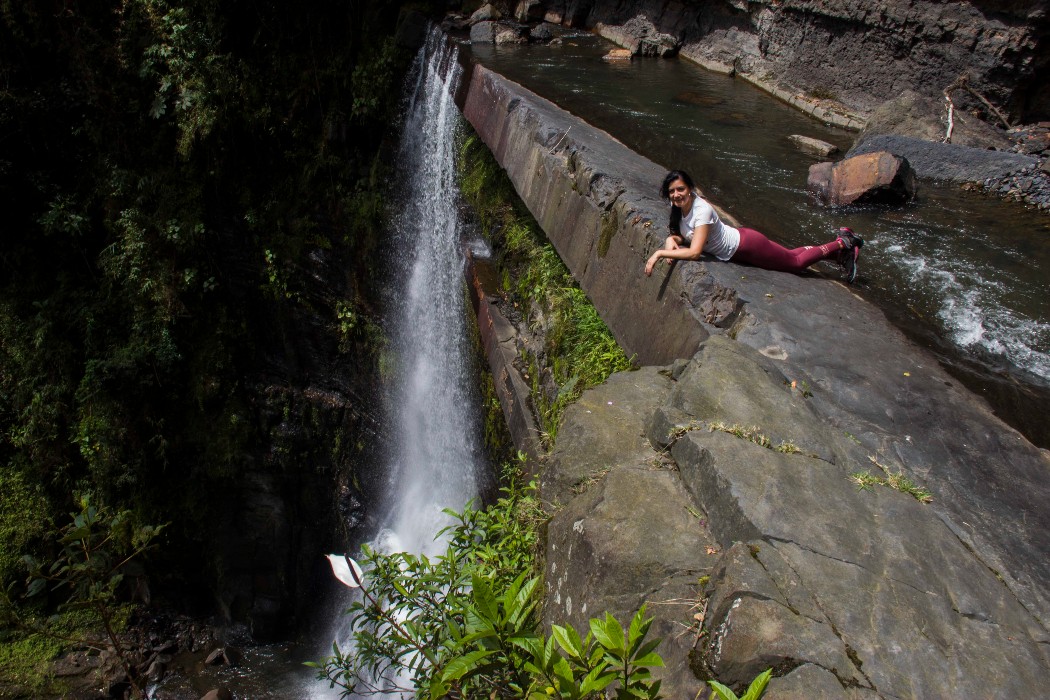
(851, 245)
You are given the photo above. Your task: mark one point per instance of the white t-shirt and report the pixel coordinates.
(722, 240)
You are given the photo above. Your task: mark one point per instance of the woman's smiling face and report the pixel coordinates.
(680, 194)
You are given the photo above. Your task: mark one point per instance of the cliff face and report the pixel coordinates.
(853, 53)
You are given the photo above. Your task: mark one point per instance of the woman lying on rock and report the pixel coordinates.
(696, 228)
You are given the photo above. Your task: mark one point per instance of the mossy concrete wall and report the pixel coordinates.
(598, 223)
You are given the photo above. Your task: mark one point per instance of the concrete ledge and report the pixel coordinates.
(499, 339)
(591, 194)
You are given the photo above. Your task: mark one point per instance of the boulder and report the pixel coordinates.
(485, 13)
(815, 147)
(483, 32)
(528, 10)
(917, 116)
(641, 37)
(874, 178)
(541, 33)
(943, 161)
(509, 36)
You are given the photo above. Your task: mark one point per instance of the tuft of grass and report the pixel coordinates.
(752, 434)
(896, 480)
(590, 480)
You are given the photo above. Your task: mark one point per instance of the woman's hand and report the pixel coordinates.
(673, 249)
(651, 262)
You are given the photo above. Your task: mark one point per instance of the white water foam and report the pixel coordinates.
(436, 456)
(973, 315)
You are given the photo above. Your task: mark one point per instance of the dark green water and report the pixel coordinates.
(963, 273)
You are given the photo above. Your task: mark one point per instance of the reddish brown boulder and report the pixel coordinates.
(872, 178)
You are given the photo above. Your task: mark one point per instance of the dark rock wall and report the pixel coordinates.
(310, 404)
(856, 53)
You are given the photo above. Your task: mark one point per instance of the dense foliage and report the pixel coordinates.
(463, 624)
(170, 168)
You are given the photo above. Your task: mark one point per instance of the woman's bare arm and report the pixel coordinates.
(693, 252)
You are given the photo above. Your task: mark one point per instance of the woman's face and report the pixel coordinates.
(680, 194)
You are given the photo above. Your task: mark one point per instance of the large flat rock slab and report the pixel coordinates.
(625, 531)
(597, 202)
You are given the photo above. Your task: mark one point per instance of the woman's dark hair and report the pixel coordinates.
(665, 192)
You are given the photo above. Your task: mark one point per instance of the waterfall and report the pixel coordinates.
(435, 454)
(434, 418)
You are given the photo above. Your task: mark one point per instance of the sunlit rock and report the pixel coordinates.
(813, 146)
(874, 178)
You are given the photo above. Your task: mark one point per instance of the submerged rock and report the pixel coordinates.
(815, 147)
(875, 178)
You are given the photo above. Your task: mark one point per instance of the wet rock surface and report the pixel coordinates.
(880, 177)
(942, 161)
(865, 593)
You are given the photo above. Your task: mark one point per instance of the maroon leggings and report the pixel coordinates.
(755, 249)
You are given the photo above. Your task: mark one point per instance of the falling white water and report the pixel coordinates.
(433, 420)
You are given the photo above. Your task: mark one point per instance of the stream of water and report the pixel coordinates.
(437, 458)
(963, 273)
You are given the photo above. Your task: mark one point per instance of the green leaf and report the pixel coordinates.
(648, 660)
(483, 598)
(568, 640)
(639, 628)
(596, 681)
(648, 647)
(724, 692)
(438, 689)
(758, 686)
(463, 665)
(609, 634)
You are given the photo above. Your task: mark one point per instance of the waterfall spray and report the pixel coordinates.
(434, 416)
(436, 458)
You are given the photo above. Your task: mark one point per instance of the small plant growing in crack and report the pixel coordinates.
(865, 481)
(593, 478)
(752, 434)
(680, 430)
(755, 691)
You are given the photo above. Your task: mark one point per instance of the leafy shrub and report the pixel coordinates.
(463, 625)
